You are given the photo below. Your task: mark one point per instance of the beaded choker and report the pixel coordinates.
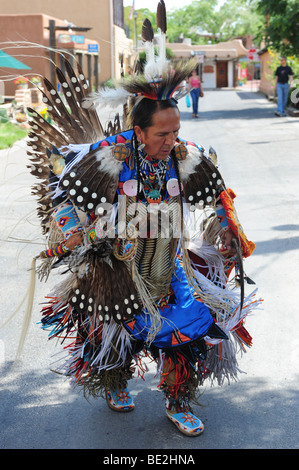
(152, 173)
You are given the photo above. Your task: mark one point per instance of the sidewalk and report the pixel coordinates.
(250, 85)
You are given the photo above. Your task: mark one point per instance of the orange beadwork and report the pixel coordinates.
(227, 198)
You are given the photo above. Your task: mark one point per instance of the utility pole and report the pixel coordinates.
(135, 29)
(52, 53)
(52, 44)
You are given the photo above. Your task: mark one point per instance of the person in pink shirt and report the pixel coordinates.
(195, 89)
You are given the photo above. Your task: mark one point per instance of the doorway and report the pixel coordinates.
(221, 74)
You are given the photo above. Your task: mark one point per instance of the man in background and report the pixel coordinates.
(283, 76)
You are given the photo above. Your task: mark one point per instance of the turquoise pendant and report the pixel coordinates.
(154, 195)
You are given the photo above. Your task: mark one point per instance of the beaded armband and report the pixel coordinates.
(67, 219)
(52, 252)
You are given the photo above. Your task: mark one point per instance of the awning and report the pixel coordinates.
(11, 63)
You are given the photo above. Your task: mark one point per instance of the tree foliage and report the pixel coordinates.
(238, 18)
(204, 21)
(281, 25)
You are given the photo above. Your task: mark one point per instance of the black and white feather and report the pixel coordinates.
(70, 124)
(104, 289)
(92, 181)
(202, 181)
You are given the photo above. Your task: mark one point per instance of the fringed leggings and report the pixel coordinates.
(182, 374)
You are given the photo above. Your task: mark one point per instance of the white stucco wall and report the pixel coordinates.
(230, 73)
(209, 79)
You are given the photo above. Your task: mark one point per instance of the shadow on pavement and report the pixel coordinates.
(286, 227)
(276, 245)
(38, 411)
(249, 95)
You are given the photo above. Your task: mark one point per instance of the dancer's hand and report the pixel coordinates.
(227, 246)
(74, 240)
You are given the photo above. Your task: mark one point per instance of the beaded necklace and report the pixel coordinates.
(152, 174)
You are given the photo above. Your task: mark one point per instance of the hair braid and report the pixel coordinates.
(177, 172)
(136, 155)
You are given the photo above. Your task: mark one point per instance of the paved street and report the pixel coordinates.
(258, 156)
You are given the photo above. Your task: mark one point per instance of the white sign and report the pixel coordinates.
(2, 91)
(200, 55)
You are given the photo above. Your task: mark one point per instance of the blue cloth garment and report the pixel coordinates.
(184, 321)
(282, 96)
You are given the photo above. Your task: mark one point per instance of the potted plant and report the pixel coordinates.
(36, 81)
(21, 82)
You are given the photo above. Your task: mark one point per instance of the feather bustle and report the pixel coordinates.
(105, 291)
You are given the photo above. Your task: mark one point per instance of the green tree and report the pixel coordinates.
(281, 25)
(188, 20)
(142, 14)
(234, 18)
(238, 18)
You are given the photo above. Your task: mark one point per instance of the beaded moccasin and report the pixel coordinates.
(186, 422)
(120, 400)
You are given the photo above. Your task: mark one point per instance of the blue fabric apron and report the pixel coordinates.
(182, 322)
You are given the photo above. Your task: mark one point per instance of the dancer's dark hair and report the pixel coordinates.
(143, 111)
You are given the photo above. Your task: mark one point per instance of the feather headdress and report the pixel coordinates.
(160, 80)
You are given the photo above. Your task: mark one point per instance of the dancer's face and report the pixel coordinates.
(160, 137)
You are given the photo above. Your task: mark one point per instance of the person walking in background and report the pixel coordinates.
(283, 75)
(195, 89)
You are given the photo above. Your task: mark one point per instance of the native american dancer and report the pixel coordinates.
(145, 230)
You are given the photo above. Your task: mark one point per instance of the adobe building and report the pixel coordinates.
(35, 28)
(217, 62)
(105, 18)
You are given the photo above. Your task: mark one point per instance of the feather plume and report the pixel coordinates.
(147, 32)
(148, 36)
(162, 62)
(112, 97)
(162, 87)
(161, 17)
(159, 81)
(150, 66)
(188, 166)
(70, 120)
